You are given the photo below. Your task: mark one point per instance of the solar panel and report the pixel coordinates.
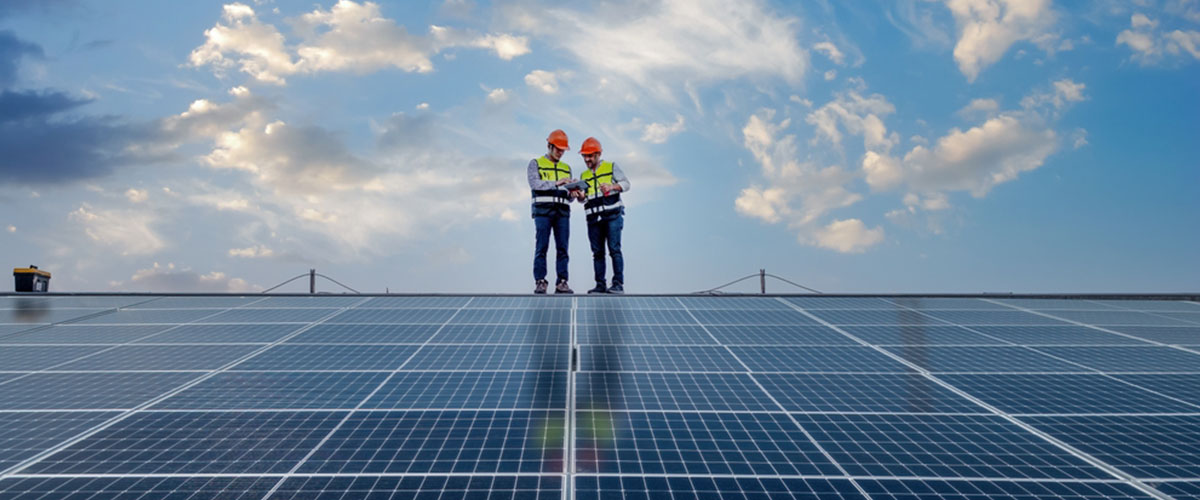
(598, 397)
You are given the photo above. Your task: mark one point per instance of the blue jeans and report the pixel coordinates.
(561, 226)
(607, 233)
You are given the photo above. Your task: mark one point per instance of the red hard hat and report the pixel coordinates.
(559, 139)
(590, 145)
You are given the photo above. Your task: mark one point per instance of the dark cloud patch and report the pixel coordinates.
(12, 49)
(19, 106)
(38, 150)
(404, 133)
(15, 7)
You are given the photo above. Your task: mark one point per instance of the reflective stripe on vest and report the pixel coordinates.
(597, 201)
(550, 171)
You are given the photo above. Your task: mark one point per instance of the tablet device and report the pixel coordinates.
(580, 184)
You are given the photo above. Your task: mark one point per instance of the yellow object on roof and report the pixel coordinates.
(31, 270)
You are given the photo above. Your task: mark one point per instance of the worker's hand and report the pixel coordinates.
(563, 181)
(606, 188)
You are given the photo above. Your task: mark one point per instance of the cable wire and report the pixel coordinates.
(339, 284)
(285, 282)
(717, 290)
(308, 274)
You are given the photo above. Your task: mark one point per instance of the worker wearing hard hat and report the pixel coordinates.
(605, 214)
(551, 211)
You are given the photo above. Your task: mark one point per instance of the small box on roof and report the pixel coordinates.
(31, 279)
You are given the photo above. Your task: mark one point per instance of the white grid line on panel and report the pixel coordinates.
(368, 397)
(1115, 472)
(795, 422)
(569, 434)
(128, 413)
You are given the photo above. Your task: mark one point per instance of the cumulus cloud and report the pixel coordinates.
(542, 80)
(127, 232)
(831, 51)
(137, 195)
(169, 278)
(987, 28)
(498, 96)
(658, 133)
(254, 252)
(348, 37)
(1062, 94)
(662, 45)
(856, 115)
(1151, 46)
(981, 157)
(980, 106)
(849, 236)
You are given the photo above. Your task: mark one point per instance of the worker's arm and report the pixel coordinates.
(535, 181)
(620, 179)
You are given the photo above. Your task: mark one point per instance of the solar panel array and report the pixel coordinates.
(597, 397)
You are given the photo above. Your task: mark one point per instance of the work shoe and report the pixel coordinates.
(617, 288)
(562, 287)
(600, 288)
(540, 286)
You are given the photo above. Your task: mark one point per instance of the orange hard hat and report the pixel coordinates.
(559, 139)
(590, 145)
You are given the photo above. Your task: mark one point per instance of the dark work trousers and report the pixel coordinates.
(560, 225)
(607, 233)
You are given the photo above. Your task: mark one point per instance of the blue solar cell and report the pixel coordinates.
(670, 391)
(841, 303)
(981, 359)
(895, 393)
(286, 357)
(423, 487)
(992, 317)
(512, 316)
(504, 334)
(195, 443)
(817, 359)
(961, 446)
(609, 302)
(1180, 490)
(1063, 394)
(150, 316)
(919, 334)
(609, 333)
(1049, 304)
(1129, 359)
(414, 302)
(634, 317)
(11, 329)
(163, 357)
(897, 316)
(548, 302)
(695, 443)
(1105, 318)
(1035, 335)
(309, 301)
(1145, 446)
(220, 334)
(394, 316)
(1192, 318)
(743, 303)
(32, 317)
(432, 442)
(63, 391)
(927, 489)
(24, 435)
(32, 358)
(1153, 305)
(657, 358)
(134, 488)
(712, 488)
(1179, 335)
(366, 334)
(276, 390)
(1180, 386)
(779, 335)
(947, 303)
(219, 302)
(543, 357)
(480, 390)
(260, 315)
(83, 334)
(738, 317)
(79, 301)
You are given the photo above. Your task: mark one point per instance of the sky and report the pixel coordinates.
(855, 147)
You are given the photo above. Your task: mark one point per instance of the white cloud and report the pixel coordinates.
(498, 96)
(981, 157)
(658, 133)
(1150, 46)
(987, 28)
(254, 252)
(350, 36)
(166, 279)
(849, 236)
(12, 228)
(127, 231)
(857, 115)
(1062, 94)
(137, 195)
(830, 75)
(661, 45)
(1079, 138)
(423, 106)
(831, 51)
(542, 80)
(985, 106)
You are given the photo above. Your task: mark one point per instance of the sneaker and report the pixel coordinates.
(540, 286)
(562, 287)
(617, 288)
(600, 288)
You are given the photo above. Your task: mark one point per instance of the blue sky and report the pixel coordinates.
(891, 146)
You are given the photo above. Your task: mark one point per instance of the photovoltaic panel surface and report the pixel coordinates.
(597, 397)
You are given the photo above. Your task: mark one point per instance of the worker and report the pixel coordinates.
(605, 214)
(551, 211)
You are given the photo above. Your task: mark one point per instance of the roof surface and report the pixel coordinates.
(590, 397)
